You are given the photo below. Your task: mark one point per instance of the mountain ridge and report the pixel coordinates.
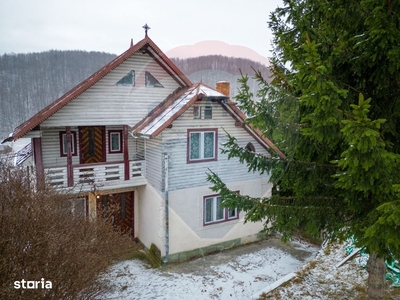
(31, 81)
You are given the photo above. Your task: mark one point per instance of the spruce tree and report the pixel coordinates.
(341, 174)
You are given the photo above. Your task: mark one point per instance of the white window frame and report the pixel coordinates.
(214, 210)
(119, 150)
(64, 151)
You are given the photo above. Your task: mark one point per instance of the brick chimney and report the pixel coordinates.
(224, 87)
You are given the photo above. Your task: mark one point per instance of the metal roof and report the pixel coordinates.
(23, 154)
(153, 125)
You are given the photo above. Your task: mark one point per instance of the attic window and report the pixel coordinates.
(128, 79)
(151, 81)
(207, 112)
(250, 147)
(196, 112)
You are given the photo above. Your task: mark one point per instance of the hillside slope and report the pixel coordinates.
(29, 82)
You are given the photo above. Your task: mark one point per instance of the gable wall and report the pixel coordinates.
(107, 104)
(182, 174)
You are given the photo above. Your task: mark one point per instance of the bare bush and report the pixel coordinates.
(41, 238)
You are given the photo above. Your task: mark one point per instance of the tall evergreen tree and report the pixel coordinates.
(341, 175)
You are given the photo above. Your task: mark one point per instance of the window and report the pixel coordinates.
(207, 112)
(151, 81)
(76, 207)
(202, 145)
(215, 213)
(63, 143)
(196, 112)
(128, 79)
(250, 147)
(115, 141)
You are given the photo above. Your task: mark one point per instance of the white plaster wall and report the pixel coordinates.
(186, 227)
(150, 226)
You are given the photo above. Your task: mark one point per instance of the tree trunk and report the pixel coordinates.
(376, 280)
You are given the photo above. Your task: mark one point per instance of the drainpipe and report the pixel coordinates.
(166, 207)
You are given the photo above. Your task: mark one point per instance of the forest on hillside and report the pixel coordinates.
(232, 65)
(29, 82)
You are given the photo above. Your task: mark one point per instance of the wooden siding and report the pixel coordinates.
(136, 148)
(154, 159)
(183, 175)
(107, 104)
(51, 147)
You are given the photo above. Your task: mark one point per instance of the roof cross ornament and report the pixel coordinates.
(146, 27)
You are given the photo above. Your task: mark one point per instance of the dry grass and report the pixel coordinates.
(41, 238)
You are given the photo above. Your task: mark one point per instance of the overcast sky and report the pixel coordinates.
(108, 25)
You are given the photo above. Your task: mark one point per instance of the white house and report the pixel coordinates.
(140, 134)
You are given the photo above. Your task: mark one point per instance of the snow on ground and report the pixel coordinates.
(246, 276)
(238, 278)
(323, 279)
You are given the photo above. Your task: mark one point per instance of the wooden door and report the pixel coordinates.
(119, 209)
(92, 144)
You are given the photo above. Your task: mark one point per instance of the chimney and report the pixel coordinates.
(224, 87)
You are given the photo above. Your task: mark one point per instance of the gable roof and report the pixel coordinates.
(165, 113)
(145, 45)
(163, 116)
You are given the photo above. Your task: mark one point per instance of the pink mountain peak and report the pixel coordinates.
(204, 48)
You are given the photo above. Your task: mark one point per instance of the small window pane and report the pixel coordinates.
(231, 213)
(128, 79)
(194, 145)
(196, 112)
(208, 144)
(250, 147)
(209, 210)
(208, 112)
(64, 137)
(220, 209)
(151, 81)
(115, 141)
(64, 143)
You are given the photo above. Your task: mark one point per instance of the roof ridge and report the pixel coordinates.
(81, 87)
(151, 115)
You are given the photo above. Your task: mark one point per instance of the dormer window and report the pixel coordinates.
(128, 79)
(151, 81)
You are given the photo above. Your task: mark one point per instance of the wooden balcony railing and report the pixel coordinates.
(97, 175)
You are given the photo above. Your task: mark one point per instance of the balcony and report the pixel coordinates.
(99, 176)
